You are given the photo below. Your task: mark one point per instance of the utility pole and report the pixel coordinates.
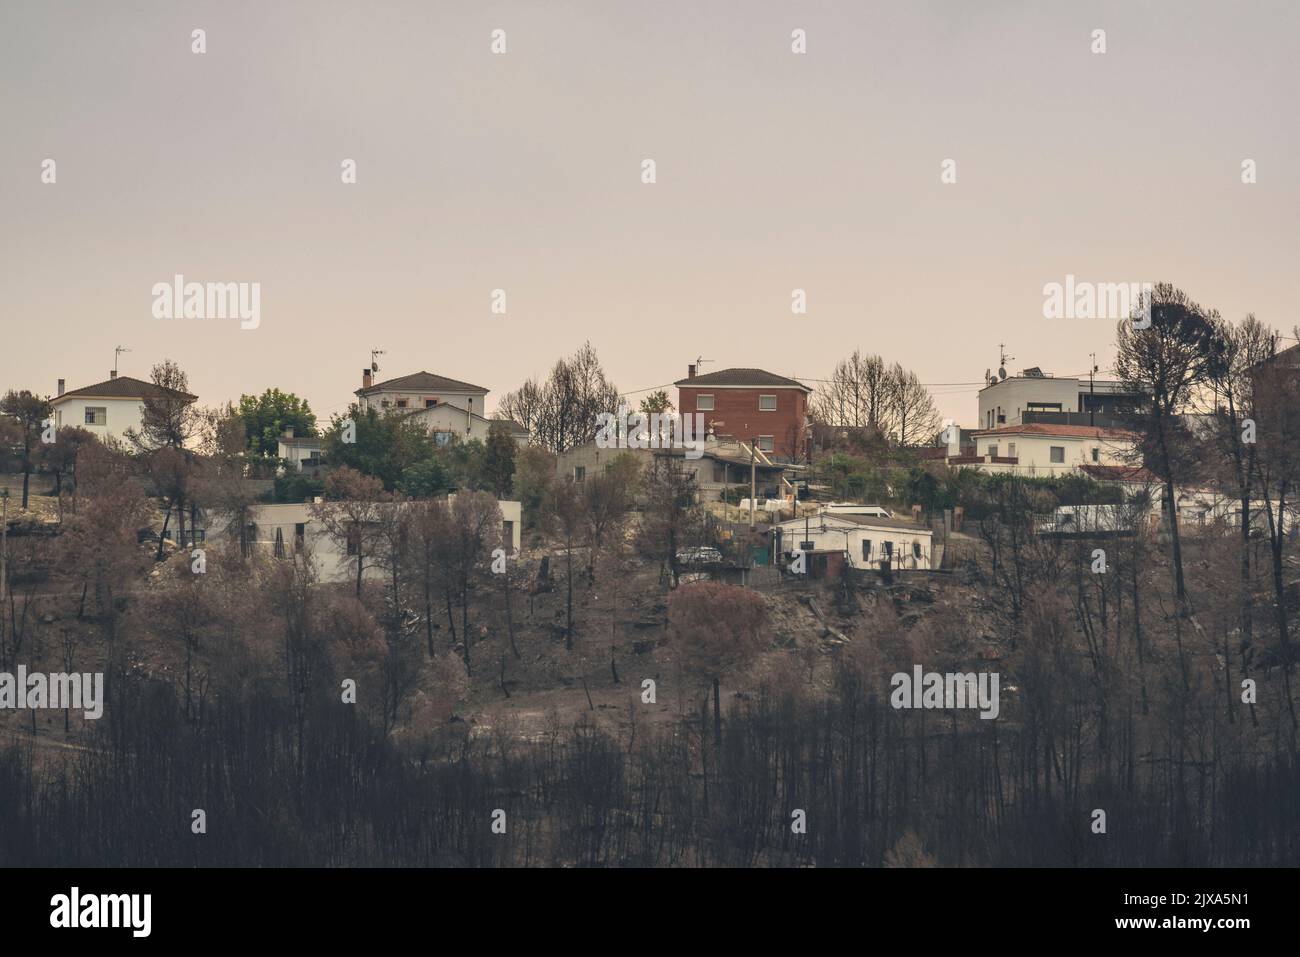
(753, 489)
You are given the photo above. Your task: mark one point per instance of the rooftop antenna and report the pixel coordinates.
(116, 353)
(1003, 359)
(699, 362)
(374, 366)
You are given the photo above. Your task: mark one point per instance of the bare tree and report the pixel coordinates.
(914, 417)
(1167, 361)
(350, 513)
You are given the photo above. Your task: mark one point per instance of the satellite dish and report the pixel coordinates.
(1002, 372)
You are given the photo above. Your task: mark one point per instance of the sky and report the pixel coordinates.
(522, 171)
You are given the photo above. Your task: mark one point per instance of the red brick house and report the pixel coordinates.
(751, 405)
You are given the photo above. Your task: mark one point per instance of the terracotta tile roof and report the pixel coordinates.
(743, 377)
(422, 382)
(122, 387)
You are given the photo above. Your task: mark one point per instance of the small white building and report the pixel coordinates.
(1041, 449)
(286, 530)
(302, 453)
(867, 540)
(108, 409)
(444, 421)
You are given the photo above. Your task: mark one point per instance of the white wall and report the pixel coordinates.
(1012, 398)
(329, 558)
(1034, 452)
(121, 414)
(840, 536)
(418, 400)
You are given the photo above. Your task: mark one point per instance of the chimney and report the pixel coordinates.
(365, 378)
(953, 438)
(288, 433)
(690, 371)
(62, 385)
(112, 374)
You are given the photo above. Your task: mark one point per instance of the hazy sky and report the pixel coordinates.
(522, 172)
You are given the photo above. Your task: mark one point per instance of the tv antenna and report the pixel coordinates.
(116, 353)
(374, 366)
(1003, 359)
(700, 362)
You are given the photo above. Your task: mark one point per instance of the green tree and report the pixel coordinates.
(385, 445)
(268, 415)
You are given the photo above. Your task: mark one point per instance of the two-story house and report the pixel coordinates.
(108, 409)
(751, 405)
(443, 407)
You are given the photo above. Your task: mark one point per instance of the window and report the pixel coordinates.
(765, 443)
(866, 549)
(508, 533)
(1096, 454)
(805, 546)
(1057, 453)
(767, 403)
(579, 473)
(704, 403)
(1011, 450)
(916, 549)
(384, 403)
(430, 403)
(96, 415)
(993, 451)
(442, 438)
(401, 403)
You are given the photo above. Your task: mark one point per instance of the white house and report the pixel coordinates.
(302, 453)
(444, 420)
(420, 390)
(108, 409)
(445, 407)
(865, 539)
(286, 530)
(1008, 400)
(1042, 449)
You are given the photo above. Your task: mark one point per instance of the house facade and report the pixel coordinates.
(725, 463)
(1043, 449)
(751, 405)
(1036, 396)
(865, 540)
(420, 390)
(445, 421)
(288, 530)
(110, 408)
